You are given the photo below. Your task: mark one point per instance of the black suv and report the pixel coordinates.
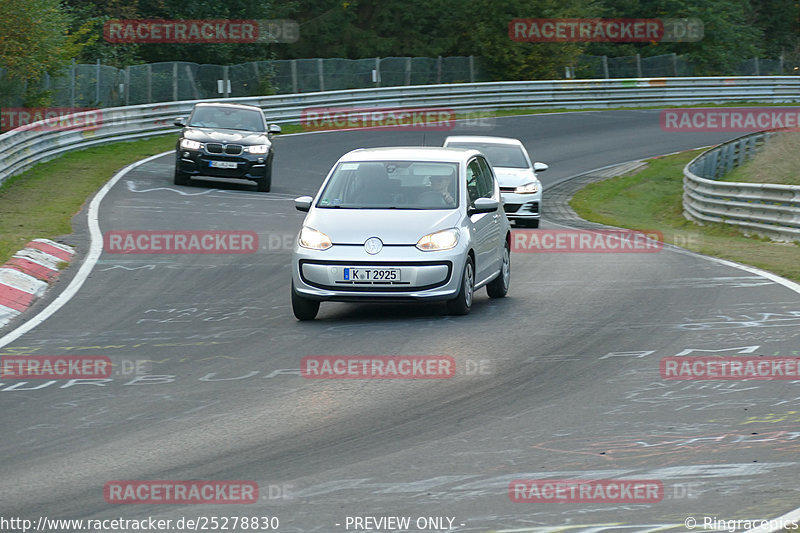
(225, 141)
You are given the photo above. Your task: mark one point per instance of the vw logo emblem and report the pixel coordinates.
(373, 245)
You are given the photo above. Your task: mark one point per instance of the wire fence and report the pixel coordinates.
(103, 86)
(97, 85)
(671, 65)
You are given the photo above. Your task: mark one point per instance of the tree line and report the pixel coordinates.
(43, 36)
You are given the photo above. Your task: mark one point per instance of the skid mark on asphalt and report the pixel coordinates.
(133, 186)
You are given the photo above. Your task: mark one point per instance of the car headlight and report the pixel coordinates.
(313, 239)
(258, 149)
(441, 240)
(528, 188)
(188, 144)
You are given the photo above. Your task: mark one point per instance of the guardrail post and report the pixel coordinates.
(472, 69)
(744, 152)
(192, 82)
(729, 157)
(638, 66)
(674, 64)
(175, 82)
(226, 84)
(320, 70)
(758, 67)
(439, 69)
(258, 78)
(149, 84)
(408, 71)
(72, 84)
(605, 67)
(295, 90)
(377, 72)
(97, 87)
(127, 79)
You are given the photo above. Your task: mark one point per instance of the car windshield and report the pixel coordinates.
(227, 118)
(392, 185)
(499, 155)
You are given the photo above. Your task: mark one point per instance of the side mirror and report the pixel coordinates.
(303, 203)
(273, 128)
(540, 167)
(483, 205)
(180, 121)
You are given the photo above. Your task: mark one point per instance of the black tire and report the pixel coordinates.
(181, 178)
(265, 183)
(498, 287)
(528, 223)
(462, 303)
(303, 308)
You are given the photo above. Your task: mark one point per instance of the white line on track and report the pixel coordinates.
(95, 249)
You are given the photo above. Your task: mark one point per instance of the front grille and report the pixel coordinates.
(218, 148)
(508, 189)
(511, 208)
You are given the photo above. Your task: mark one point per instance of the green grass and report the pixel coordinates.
(777, 162)
(40, 202)
(652, 199)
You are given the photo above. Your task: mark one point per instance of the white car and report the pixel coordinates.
(402, 225)
(519, 186)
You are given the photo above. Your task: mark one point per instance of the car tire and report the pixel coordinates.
(529, 223)
(303, 308)
(498, 287)
(265, 183)
(181, 178)
(462, 303)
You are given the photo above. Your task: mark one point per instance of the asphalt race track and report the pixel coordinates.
(560, 380)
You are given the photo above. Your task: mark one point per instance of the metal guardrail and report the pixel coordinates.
(22, 148)
(763, 209)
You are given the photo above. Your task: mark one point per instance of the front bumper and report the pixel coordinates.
(197, 163)
(423, 275)
(522, 206)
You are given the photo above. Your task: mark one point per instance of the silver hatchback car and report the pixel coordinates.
(519, 185)
(402, 224)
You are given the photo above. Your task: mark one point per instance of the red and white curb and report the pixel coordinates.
(26, 276)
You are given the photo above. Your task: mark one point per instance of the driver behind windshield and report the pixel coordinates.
(441, 184)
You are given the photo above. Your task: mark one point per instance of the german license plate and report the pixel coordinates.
(370, 274)
(222, 164)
